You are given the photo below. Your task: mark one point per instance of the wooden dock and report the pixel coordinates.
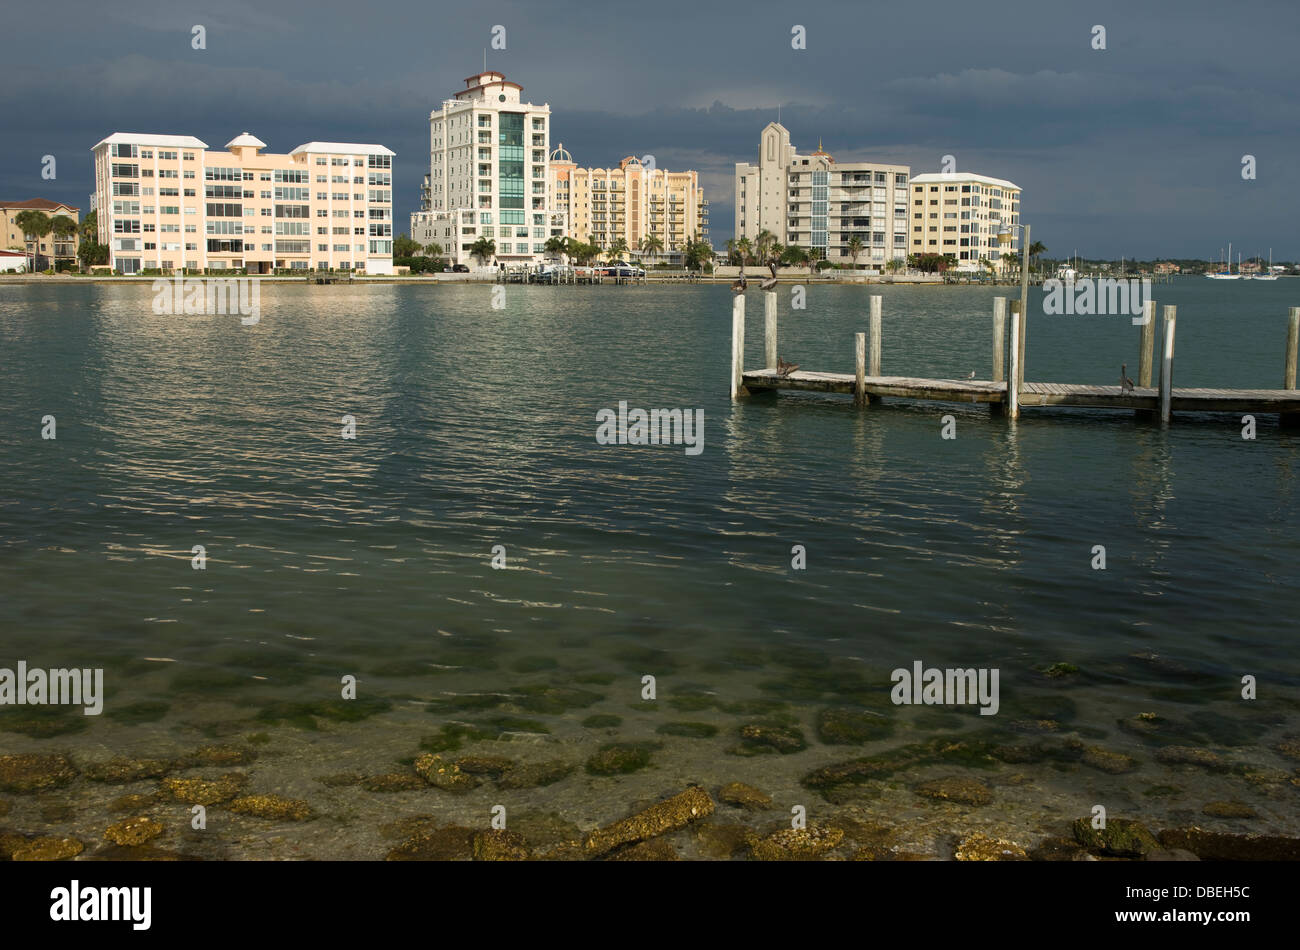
(1159, 400)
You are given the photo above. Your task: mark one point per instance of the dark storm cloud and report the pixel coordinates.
(1133, 150)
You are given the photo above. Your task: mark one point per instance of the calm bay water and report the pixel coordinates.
(475, 427)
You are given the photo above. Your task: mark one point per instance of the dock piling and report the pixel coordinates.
(1167, 364)
(860, 397)
(738, 347)
(875, 334)
(1020, 352)
(999, 339)
(1148, 345)
(1013, 370)
(769, 329)
(1292, 341)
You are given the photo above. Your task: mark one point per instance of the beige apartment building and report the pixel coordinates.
(166, 202)
(820, 204)
(487, 176)
(46, 249)
(632, 202)
(960, 213)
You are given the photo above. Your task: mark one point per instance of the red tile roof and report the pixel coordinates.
(39, 204)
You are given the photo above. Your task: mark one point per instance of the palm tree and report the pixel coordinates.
(731, 250)
(433, 250)
(556, 246)
(1037, 248)
(855, 249)
(893, 265)
(746, 250)
(763, 244)
(34, 225)
(617, 248)
(63, 228)
(483, 250)
(652, 246)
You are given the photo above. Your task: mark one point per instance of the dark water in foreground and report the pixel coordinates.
(475, 427)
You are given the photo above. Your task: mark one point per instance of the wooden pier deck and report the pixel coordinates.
(1160, 400)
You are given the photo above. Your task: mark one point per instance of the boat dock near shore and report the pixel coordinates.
(1156, 399)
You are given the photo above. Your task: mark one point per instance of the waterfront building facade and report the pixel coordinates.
(488, 152)
(633, 202)
(166, 202)
(44, 249)
(820, 204)
(960, 213)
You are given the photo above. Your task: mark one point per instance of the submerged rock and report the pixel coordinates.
(445, 775)
(133, 831)
(721, 840)
(452, 843)
(620, 757)
(1057, 849)
(535, 774)
(981, 847)
(761, 737)
(1191, 755)
(221, 755)
(48, 849)
(197, 791)
(273, 807)
(498, 844)
(964, 791)
(656, 849)
(1229, 810)
(1220, 846)
(795, 844)
(393, 782)
(134, 802)
(1115, 763)
(493, 765)
(1122, 837)
(668, 815)
(29, 772)
(846, 725)
(740, 795)
(122, 770)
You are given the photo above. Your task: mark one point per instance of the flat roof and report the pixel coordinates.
(137, 138)
(343, 148)
(954, 177)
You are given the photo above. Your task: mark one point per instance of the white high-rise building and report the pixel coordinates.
(821, 204)
(488, 160)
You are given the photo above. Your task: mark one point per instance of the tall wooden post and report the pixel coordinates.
(1013, 370)
(1167, 365)
(875, 334)
(860, 369)
(1292, 341)
(1147, 352)
(999, 339)
(738, 346)
(769, 329)
(1017, 307)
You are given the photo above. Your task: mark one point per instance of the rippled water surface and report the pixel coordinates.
(475, 427)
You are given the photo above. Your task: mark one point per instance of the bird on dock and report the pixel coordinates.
(971, 375)
(770, 283)
(784, 369)
(740, 283)
(1125, 382)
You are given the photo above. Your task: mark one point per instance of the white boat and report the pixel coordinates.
(1270, 275)
(1226, 274)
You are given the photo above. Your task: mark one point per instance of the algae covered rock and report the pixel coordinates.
(393, 782)
(197, 791)
(535, 774)
(498, 844)
(133, 831)
(29, 772)
(1114, 763)
(48, 848)
(964, 791)
(272, 806)
(1220, 846)
(761, 737)
(846, 725)
(618, 758)
(1192, 755)
(721, 840)
(452, 843)
(656, 849)
(740, 795)
(795, 844)
(493, 765)
(122, 770)
(981, 847)
(1122, 837)
(1229, 810)
(443, 774)
(668, 815)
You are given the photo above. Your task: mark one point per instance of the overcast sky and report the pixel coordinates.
(1134, 150)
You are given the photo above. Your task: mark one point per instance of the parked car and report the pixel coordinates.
(621, 269)
(457, 269)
